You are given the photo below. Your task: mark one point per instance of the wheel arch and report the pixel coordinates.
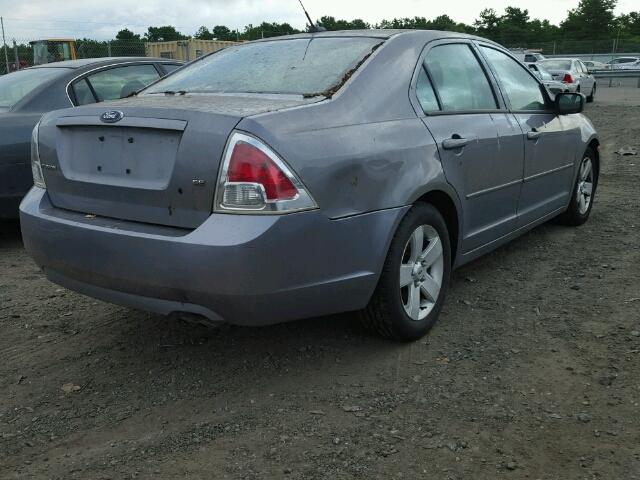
(450, 211)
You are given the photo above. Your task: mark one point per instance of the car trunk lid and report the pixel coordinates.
(158, 163)
(558, 74)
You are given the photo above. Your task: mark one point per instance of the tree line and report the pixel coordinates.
(592, 20)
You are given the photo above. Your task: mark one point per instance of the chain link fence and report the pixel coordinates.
(19, 54)
(23, 53)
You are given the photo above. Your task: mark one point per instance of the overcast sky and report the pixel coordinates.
(30, 19)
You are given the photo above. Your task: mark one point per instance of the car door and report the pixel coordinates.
(549, 157)
(113, 83)
(479, 142)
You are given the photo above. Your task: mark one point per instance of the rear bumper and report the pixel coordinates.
(245, 270)
(15, 182)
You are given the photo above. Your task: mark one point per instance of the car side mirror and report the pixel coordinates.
(568, 103)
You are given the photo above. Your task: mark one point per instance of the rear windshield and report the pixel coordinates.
(557, 64)
(302, 66)
(17, 85)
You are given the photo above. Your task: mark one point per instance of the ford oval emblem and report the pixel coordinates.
(112, 116)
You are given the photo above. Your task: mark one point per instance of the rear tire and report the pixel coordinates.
(415, 277)
(584, 191)
(591, 97)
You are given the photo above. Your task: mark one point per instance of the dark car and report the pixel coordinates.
(307, 175)
(26, 94)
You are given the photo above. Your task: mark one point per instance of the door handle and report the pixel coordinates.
(533, 135)
(454, 143)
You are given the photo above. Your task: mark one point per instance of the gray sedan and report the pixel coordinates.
(308, 175)
(27, 94)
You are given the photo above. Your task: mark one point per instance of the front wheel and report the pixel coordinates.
(591, 97)
(584, 191)
(414, 279)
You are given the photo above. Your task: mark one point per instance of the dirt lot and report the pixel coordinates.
(533, 371)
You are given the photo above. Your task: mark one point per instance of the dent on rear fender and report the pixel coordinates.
(361, 168)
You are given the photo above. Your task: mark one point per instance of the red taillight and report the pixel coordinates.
(250, 165)
(567, 78)
(255, 180)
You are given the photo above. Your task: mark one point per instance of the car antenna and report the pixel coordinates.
(313, 28)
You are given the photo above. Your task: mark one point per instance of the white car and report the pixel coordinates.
(554, 86)
(594, 65)
(573, 73)
(625, 63)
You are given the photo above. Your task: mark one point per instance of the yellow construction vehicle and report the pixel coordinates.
(53, 50)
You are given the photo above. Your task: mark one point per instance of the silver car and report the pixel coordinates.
(308, 175)
(573, 73)
(625, 63)
(593, 65)
(554, 86)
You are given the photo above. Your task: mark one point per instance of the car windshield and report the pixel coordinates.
(301, 66)
(557, 64)
(17, 85)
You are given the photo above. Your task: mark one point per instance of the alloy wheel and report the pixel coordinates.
(585, 185)
(421, 272)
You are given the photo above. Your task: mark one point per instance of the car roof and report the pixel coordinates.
(84, 62)
(382, 33)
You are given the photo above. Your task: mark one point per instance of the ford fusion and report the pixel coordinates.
(307, 175)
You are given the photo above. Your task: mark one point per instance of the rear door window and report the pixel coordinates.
(424, 92)
(119, 82)
(522, 90)
(459, 79)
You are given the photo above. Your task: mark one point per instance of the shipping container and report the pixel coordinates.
(186, 50)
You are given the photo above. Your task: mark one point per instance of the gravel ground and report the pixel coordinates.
(533, 371)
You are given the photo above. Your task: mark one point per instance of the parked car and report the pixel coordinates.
(625, 63)
(554, 86)
(26, 94)
(529, 57)
(342, 171)
(573, 73)
(593, 65)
